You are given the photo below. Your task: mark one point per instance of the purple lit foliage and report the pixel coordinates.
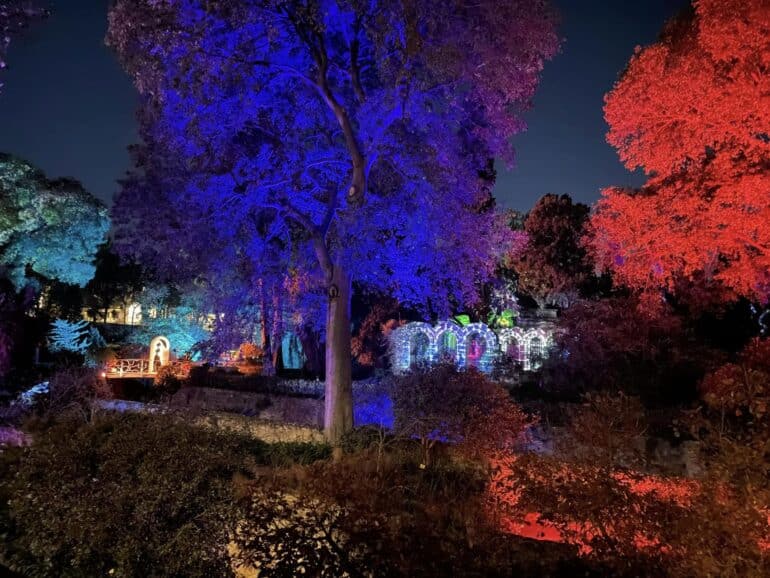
(342, 139)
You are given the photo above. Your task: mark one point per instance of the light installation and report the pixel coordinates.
(472, 345)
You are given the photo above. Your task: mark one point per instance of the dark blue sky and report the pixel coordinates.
(564, 150)
(68, 108)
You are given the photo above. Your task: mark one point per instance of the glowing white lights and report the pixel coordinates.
(474, 345)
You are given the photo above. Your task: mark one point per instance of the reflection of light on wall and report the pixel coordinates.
(473, 345)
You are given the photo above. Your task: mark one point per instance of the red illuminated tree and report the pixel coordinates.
(553, 266)
(693, 111)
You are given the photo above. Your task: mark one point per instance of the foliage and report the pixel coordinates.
(623, 343)
(113, 282)
(167, 381)
(69, 336)
(127, 495)
(335, 161)
(741, 388)
(178, 315)
(52, 227)
(553, 267)
(692, 110)
(70, 390)
(250, 351)
(14, 17)
(379, 514)
(369, 344)
(345, 71)
(734, 429)
(7, 329)
(597, 491)
(444, 404)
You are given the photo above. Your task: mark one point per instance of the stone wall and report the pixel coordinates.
(286, 409)
(263, 429)
(267, 431)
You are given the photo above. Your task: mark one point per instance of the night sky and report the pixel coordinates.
(69, 109)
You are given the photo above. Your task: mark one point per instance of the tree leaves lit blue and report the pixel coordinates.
(244, 134)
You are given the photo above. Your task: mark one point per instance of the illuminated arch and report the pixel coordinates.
(513, 342)
(448, 342)
(420, 342)
(420, 348)
(478, 333)
(160, 352)
(537, 343)
(401, 340)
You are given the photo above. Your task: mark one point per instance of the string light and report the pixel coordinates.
(475, 344)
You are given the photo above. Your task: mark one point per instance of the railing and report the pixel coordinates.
(129, 368)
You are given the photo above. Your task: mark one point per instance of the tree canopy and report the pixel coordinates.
(391, 111)
(52, 227)
(693, 111)
(553, 266)
(344, 139)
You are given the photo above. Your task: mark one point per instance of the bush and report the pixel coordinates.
(462, 407)
(71, 390)
(129, 495)
(595, 491)
(167, 381)
(621, 344)
(742, 387)
(349, 518)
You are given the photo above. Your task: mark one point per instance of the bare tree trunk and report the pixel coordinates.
(267, 353)
(338, 414)
(277, 336)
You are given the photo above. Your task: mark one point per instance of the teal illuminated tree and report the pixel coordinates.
(69, 336)
(343, 137)
(51, 227)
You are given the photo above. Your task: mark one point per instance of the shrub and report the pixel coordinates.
(126, 495)
(69, 336)
(594, 490)
(444, 404)
(623, 344)
(71, 389)
(250, 351)
(742, 387)
(167, 380)
(349, 518)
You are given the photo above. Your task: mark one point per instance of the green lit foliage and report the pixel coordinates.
(52, 227)
(463, 319)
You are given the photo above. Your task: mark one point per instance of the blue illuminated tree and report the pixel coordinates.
(339, 138)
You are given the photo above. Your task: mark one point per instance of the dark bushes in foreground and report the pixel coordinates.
(127, 495)
(149, 495)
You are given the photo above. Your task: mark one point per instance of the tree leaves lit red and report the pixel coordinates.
(693, 111)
